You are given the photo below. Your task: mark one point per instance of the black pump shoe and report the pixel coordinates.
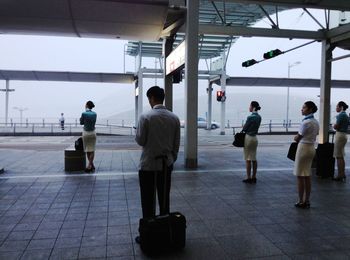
(341, 179)
(302, 205)
(298, 204)
(254, 180)
(247, 181)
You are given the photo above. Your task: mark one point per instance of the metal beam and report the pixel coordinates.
(339, 33)
(313, 18)
(172, 28)
(274, 25)
(26, 75)
(260, 32)
(342, 5)
(280, 82)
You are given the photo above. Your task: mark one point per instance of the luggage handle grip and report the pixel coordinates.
(164, 165)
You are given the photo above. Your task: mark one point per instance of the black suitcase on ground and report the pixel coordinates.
(162, 233)
(325, 160)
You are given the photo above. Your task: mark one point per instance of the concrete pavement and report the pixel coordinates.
(46, 213)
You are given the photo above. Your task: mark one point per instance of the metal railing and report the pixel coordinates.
(272, 127)
(56, 129)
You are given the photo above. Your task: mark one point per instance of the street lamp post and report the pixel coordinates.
(20, 109)
(290, 65)
(7, 91)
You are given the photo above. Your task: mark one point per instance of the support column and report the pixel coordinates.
(223, 103)
(7, 101)
(168, 79)
(223, 88)
(325, 91)
(136, 103)
(191, 86)
(140, 94)
(138, 86)
(7, 91)
(210, 97)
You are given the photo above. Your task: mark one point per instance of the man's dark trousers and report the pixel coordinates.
(146, 179)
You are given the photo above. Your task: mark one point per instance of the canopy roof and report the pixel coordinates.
(66, 76)
(212, 13)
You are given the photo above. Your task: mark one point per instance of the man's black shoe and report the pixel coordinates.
(138, 240)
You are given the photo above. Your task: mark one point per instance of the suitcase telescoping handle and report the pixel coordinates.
(332, 133)
(164, 159)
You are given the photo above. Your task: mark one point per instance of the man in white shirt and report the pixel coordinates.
(158, 132)
(62, 121)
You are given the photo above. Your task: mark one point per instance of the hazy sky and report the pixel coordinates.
(49, 99)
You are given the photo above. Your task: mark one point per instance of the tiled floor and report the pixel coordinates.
(48, 214)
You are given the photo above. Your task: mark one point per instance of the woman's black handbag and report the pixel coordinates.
(292, 151)
(239, 140)
(79, 144)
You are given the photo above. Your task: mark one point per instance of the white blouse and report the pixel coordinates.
(309, 129)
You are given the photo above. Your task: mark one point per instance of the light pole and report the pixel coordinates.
(20, 109)
(290, 65)
(7, 91)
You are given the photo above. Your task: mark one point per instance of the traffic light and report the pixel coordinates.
(249, 63)
(272, 54)
(220, 95)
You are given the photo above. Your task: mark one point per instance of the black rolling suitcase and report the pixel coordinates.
(162, 233)
(325, 160)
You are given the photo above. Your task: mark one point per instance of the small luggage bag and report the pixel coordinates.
(325, 160)
(162, 233)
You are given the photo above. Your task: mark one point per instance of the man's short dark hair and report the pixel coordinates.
(157, 93)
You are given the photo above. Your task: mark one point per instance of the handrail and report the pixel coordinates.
(56, 129)
(280, 127)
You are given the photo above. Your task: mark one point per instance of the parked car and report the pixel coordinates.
(202, 123)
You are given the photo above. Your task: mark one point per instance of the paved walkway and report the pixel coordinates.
(46, 213)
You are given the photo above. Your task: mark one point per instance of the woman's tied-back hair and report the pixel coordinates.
(343, 105)
(157, 93)
(90, 104)
(255, 105)
(311, 105)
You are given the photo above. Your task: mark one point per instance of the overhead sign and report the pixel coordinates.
(176, 58)
(217, 64)
(338, 18)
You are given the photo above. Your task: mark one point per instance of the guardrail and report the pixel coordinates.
(272, 128)
(56, 129)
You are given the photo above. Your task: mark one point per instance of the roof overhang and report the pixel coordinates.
(342, 5)
(131, 20)
(126, 78)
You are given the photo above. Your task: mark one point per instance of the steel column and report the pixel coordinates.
(168, 79)
(7, 101)
(325, 91)
(223, 88)
(210, 97)
(191, 85)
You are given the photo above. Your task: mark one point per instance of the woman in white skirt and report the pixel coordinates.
(88, 119)
(251, 128)
(341, 126)
(305, 153)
